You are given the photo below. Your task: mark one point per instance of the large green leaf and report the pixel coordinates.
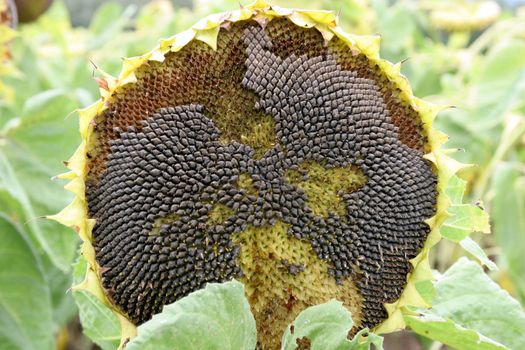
(326, 326)
(470, 310)
(98, 322)
(25, 303)
(216, 317)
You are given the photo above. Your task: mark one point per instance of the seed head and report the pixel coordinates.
(282, 159)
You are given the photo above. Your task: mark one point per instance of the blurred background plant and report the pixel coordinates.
(466, 54)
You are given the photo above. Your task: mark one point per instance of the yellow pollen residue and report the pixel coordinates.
(324, 186)
(283, 276)
(165, 220)
(245, 181)
(219, 214)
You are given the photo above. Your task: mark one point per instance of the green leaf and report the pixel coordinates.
(25, 303)
(9, 183)
(500, 83)
(474, 249)
(455, 190)
(508, 207)
(467, 218)
(470, 308)
(35, 145)
(109, 20)
(216, 317)
(16, 205)
(326, 326)
(464, 218)
(498, 88)
(98, 322)
(503, 62)
(426, 290)
(398, 26)
(25, 174)
(449, 333)
(105, 17)
(364, 340)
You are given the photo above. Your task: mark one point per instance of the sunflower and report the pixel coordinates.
(264, 145)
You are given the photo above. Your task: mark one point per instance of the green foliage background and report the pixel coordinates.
(481, 73)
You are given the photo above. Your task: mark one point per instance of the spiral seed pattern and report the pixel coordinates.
(169, 191)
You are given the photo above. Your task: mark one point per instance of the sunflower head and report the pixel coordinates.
(464, 15)
(264, 145)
